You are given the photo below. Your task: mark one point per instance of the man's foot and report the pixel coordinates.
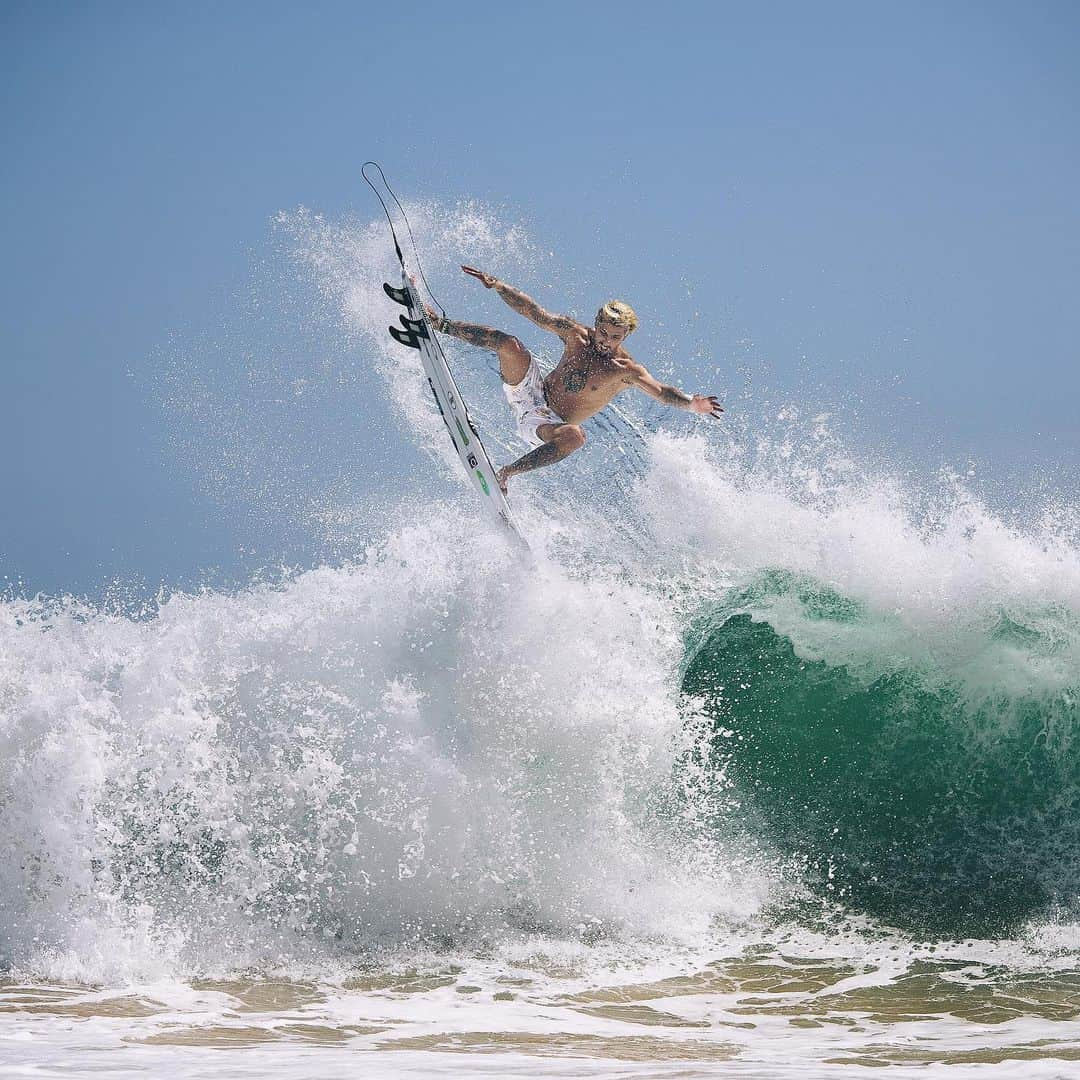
(502, 476)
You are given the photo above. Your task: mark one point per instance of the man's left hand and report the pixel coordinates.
(707, 406)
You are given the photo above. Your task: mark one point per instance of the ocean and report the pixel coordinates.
(766, 766)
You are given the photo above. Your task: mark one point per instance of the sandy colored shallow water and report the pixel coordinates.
(762, 1012)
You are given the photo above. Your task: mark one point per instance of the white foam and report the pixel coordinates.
(428, 743)
(418, 745)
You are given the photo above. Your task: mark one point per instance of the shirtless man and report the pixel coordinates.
(594, 368)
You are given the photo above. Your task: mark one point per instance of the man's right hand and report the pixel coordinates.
(489, 280)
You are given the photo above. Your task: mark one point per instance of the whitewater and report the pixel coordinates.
(766, 765)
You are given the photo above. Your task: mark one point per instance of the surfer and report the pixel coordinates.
(594, 367)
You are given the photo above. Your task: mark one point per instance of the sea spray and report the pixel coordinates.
(749, 665)
(416, 748)
(893, 699)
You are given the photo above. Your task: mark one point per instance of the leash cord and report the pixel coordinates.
(393, 231)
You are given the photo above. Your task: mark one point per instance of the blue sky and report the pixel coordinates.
(875, 195)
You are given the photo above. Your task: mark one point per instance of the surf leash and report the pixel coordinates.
(393, 231)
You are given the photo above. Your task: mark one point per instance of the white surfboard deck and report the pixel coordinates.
(470, 450)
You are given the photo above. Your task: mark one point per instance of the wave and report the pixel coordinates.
(931, 802)
(414, 748)
(888, 684)
(747, 668)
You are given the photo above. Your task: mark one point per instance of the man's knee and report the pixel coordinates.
(510, 347)
(571, 437)
(514, 359)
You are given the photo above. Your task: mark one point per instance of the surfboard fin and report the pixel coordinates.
(400, 296)
(410, 340)
(411, 335)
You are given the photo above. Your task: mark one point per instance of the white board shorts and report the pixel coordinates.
(531, 409)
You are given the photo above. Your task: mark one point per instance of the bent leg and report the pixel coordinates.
(514, 358)
(560, 440)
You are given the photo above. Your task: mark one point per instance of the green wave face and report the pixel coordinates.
(936, 787)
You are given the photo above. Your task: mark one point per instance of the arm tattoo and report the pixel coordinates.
(527, 306)
(518, 300)
(671, 395)
(483, 336)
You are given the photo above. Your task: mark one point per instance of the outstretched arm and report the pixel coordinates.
(562, 325)
(636, 375)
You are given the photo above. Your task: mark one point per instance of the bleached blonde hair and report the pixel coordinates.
(619, 313)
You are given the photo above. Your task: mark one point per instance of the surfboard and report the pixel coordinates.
(416, 332)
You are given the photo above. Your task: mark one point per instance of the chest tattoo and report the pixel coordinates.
(574, 382)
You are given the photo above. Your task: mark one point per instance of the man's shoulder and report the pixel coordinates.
(628, 365)
(576, 336)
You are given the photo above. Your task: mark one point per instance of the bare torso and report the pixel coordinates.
(584, 380)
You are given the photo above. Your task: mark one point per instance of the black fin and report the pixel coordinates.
(400, 296)
(412, 340)
(417, 326)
